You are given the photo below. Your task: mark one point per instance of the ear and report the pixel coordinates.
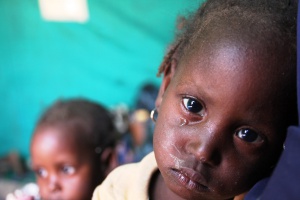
(168, 73)
(109, 157)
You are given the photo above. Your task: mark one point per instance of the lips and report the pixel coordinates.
(190, 179)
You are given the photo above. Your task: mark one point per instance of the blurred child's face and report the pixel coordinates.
(217, 131)
(64, 169)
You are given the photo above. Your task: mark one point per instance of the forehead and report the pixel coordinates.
(228, 53)
(48, 141)
(226, 59)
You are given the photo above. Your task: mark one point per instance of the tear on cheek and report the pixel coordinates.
(183, 122)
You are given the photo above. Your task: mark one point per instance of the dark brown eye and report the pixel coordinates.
(192, 105)
(249, 135)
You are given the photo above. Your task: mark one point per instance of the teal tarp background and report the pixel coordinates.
(106, 59)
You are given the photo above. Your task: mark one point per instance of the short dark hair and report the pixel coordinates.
(274, 16)
(92, 120)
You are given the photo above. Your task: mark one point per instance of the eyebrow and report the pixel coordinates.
(196, 91)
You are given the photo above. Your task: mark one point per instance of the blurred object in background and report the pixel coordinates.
(120, 115)
(146, 97)
(12, 165)
(124, 149)
(135, 125)
(141, 126)
(14, 173)
(138, 126)
(29, 191)
(64, 10)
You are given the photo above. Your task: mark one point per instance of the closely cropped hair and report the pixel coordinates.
(256, 19)
(90, 119)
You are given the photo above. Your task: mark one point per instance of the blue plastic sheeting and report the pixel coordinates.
(106, 59)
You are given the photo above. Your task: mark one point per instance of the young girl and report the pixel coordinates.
(227, 96)
(72, 149)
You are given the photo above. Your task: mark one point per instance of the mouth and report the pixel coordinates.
(190, 179)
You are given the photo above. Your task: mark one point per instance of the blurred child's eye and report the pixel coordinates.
(192, 105)
(41, 172)
(249, 135)
(68, 170)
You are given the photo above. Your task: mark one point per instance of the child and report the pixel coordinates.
(227, 96)
(72, 149)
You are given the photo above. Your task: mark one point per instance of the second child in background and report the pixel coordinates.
(72, 149)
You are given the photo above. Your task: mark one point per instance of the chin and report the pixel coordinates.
(191, 195)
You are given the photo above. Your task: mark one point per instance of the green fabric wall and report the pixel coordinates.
(106, 59)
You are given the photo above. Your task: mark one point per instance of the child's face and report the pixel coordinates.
(217, 132)
(64, 169)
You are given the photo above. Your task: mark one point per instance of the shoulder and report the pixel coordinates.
(130, 181)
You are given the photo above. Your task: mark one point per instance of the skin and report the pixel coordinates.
(63, 167)
(217, 131)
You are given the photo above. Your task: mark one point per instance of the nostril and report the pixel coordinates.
(54, 187)
(203, 160)
(53, 184)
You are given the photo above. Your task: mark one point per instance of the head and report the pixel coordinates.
(72, 149)
(227, 97)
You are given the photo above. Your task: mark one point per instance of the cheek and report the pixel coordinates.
(77, 188)
(164, 127)
(246, 176)
(168, 137)
(239, 173)
(42, 184)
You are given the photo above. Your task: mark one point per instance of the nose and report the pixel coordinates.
(207, 146)
(53, 183)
